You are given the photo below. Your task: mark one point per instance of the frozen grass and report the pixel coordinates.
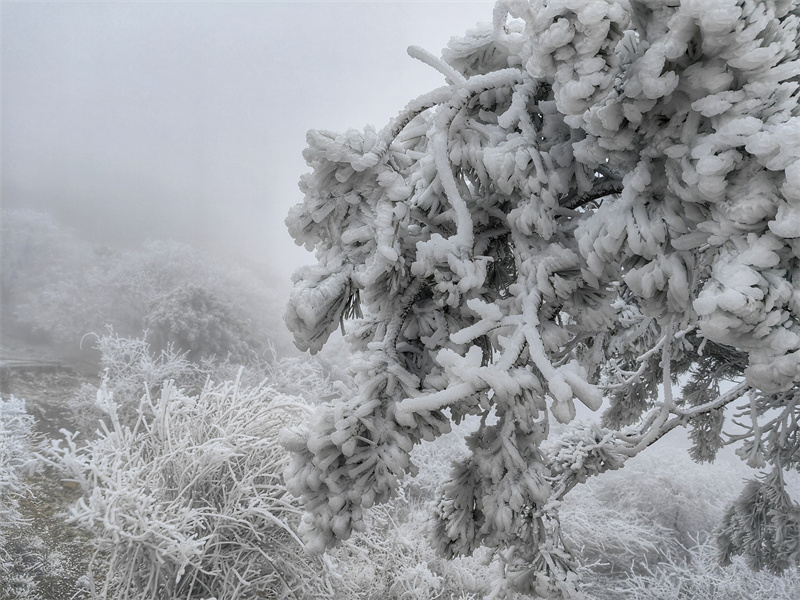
(700, 577)
(187, 502)
(129, 366)
(185, 496)
(16, 447)
(17, 443)
(646, 532)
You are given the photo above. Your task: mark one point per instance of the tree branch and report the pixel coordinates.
(682, 417)
(622, 447)
(605, 186)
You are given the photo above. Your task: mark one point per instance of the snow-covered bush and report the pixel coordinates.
(188, 501)
(60, 287)
(192, 319)
(699, 576)
(17, 461)
(653, 511)
(163, 278)
(128, 368)
(130, 365)
(601, 198)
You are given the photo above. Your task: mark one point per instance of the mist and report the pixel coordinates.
(187, 120)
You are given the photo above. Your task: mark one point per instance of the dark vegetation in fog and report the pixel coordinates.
(57, 288)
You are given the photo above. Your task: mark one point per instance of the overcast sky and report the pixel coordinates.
(187, 119)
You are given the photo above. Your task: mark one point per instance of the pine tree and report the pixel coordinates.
(602, 201)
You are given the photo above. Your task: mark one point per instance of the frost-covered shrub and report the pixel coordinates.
(161, 276)
(188, 502)
(17, 461)
(62, 288)
(128, 368)
(130, 365)
(655, 511)
(699, 576)
(193, 320)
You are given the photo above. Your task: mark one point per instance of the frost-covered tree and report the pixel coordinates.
(604, 196)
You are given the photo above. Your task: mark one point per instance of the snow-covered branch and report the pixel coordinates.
(494, 281)
(601, 188)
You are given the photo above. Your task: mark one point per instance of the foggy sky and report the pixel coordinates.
(187, 120)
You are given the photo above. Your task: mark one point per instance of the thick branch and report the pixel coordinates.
(724, 399)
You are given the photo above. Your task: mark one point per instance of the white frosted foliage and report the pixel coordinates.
(602, 196)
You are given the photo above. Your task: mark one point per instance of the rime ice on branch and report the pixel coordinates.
(604, 195)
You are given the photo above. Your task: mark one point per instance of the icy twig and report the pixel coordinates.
(429, 59)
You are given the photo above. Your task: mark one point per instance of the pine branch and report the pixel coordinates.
(616, 448)
(647, 438)
(605, 186)
(723, 400)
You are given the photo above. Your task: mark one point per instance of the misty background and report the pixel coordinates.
(186, 120)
